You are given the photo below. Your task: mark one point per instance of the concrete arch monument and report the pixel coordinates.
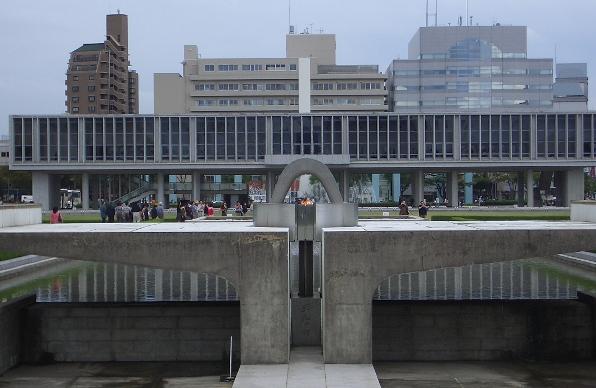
(306, 166)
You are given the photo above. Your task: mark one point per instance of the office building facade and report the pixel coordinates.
(306, 80)
(142, 150)
(470, 68)
(570, 91)
(98, 79)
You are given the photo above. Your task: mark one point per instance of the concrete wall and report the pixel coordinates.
(131, 332)
(12, 319)
(482, 330)
(17, 215)
(169, 97)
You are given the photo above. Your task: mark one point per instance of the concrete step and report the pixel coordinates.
(307, 370)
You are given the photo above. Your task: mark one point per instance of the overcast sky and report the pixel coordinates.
(36, 37)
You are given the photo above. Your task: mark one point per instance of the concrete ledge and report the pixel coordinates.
(583, 211)
(19, 215)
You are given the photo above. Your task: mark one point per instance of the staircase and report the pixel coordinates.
(144, 190)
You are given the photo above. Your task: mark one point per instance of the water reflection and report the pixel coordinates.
(94, 282)
(506, 280)
(99, 282)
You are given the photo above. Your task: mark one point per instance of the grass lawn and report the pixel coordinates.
(505, 215)
(7, 255)
(69, 218)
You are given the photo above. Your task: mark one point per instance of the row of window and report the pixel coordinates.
(471, 87)
(467, 102)
(369, 101)
(346, 86)
(75, 89)
(370, 137)
(473, 71)
(204, 86)
(91, 77)
(306, 135)
(252, 67)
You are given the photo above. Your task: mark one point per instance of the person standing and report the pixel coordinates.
(422, 209)
(224, 209)
(55, 216)
(159, 211)
(110, 211)
(102, 210)
(403, 209)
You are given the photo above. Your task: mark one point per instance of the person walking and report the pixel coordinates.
(224, 209)
(55, 216)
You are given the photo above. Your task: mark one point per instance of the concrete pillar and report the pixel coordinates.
(530, 187)
(161, 196)
(418, 187)
(270, 184)
(196, 185)
(42, 185)
(573, 186)
(376, 183)
(468, 188)
(452, 189)
(520, 189)
(396, 183)
(344, 184)
(85, 191)
(82, 286)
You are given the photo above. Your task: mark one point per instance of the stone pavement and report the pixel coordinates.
(112, 375)
(307, 370)
(486, 374)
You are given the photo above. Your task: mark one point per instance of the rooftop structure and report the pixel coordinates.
(307, 79)
(98, 80)
(571, 87)
(470, 68)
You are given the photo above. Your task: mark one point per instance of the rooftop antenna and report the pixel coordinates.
(428, 13)
(118, 10)
(467, 10)
(290, 16)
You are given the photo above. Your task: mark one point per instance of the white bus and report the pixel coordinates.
(70, 199)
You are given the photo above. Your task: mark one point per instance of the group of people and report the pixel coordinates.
(422, 209)
(136, 212)
(189, 210)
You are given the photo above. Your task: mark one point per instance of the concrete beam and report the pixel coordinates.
(255, 262)
(356, 262)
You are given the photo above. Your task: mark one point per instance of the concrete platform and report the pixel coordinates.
(109, 375)
(406, 225)
(307, 370)
(486, 374)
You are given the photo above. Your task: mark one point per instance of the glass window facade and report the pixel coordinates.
(366, 137)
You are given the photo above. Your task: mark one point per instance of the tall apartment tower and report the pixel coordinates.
(470, 68)
(98, 80)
